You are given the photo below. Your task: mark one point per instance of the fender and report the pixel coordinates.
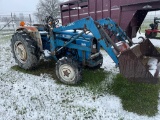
(33, 32)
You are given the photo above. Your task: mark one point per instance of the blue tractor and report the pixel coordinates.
(79, 44)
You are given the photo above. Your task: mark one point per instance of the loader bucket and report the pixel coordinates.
(140, 63)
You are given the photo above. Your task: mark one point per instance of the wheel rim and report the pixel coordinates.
(20, 52)
(67, 73)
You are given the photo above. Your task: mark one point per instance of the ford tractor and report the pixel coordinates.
(79, 44)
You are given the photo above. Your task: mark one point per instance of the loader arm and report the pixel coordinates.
(98, 32)
(109, 25)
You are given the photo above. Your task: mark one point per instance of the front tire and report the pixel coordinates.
(68, 71)
(25, 50)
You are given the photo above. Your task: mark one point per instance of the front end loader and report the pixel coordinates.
(79, 44)
(138, 62)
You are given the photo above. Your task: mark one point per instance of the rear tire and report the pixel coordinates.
(25, 50)
(68, 71)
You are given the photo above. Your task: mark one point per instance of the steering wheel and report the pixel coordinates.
(48, 19)
(51, 21)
